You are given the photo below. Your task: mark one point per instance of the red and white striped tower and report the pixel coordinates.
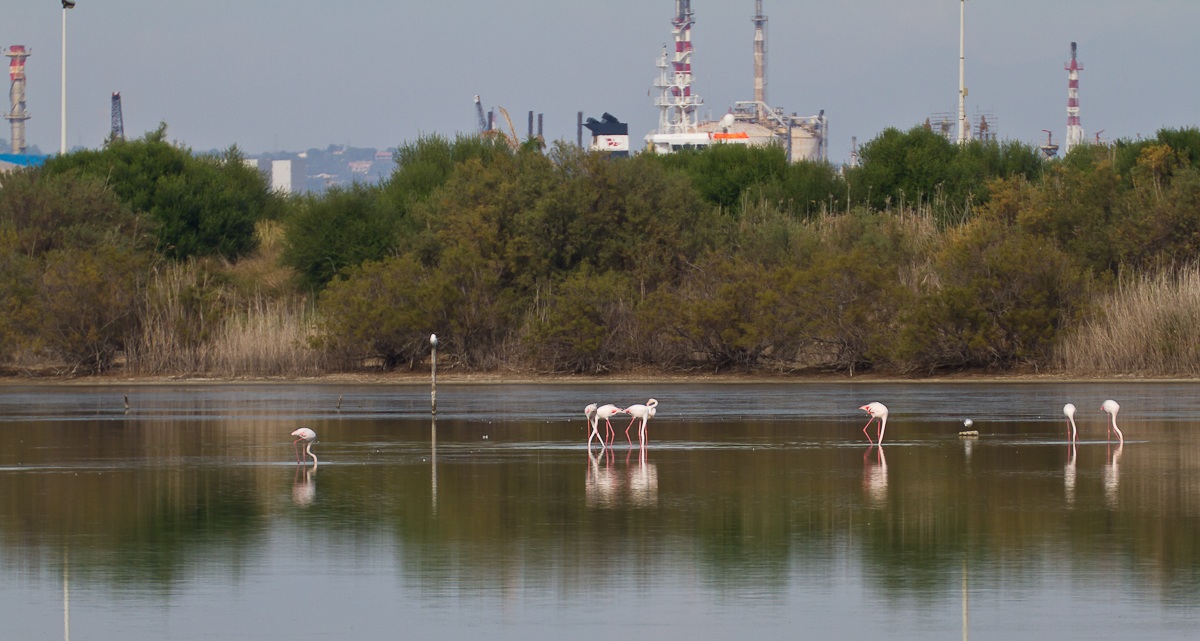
(678, 107)
(18, 115)
(1074, 129)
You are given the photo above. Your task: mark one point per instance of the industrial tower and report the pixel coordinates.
(18, 115)
(1074, 129)
(678, 107)
(118, 119)
(964, 126)
(760, 60)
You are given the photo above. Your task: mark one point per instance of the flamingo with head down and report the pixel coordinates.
(308, 436)
(644, 412)
(1111, 407)
(1069, 411)
(877, 411)
(605, 412)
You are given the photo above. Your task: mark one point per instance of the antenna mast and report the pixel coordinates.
(964, 127)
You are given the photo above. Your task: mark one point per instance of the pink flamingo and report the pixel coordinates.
(876, 411)
(644, 412)
(1069, 411)
(605, 412)
(308, 436)
(1111, 407)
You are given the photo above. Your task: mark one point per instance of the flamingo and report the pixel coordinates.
(877, 411)
(1111, 407)
(308, 436)
(644, 412)
(590, 413)
(605, 412)
(1069, 411)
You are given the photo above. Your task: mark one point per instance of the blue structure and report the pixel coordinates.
(10, 161)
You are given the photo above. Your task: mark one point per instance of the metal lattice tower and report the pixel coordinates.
(1074, 129)
(678, 106)
(118, 120)
(18, 115)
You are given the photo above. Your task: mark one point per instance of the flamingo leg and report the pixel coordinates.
(595, 434)
(868, 433)
(631, 422)
(297, 448)
(609, 430)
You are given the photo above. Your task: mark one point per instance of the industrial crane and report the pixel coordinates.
(511, 138)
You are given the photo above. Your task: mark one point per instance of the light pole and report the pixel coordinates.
(62, 145)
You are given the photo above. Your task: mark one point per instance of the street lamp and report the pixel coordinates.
(62, 146)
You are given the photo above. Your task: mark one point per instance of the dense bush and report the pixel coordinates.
(203, 205)
(72, 261)
(928, 257)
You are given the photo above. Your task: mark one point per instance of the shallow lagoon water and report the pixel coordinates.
(757, 510)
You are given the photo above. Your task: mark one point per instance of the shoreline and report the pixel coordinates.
(525, 378)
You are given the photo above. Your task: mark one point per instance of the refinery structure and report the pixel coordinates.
(18, 115)
(749, 122)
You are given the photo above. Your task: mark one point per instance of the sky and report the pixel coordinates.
(289, 75)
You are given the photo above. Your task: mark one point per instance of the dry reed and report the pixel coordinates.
(189, 327)
(1150, 326)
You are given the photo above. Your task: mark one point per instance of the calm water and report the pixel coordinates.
(756, 512)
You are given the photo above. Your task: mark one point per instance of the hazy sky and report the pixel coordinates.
(273, 75)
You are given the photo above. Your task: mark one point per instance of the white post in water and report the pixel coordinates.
(433, 374)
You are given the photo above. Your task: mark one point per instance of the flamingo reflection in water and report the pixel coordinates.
(304, 486)
(875, 476)
(608, 487)
(643, 481)
(601, 485)
(1112, 475)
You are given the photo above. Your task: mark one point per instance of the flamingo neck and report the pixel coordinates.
(308, 450)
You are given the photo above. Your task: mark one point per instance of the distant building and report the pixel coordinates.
(609, 135)
(288, 176)
(12, 162)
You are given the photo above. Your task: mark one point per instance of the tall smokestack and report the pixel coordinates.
(1074, 129)
(760, 60)
(18, 115)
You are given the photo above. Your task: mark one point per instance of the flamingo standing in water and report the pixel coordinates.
(590, 413)
(308, 436)
(1111, 407)
(644, 412)
(605, 412)
(877, 411)
(1069, 412)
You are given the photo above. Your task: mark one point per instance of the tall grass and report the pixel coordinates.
(192, 326)
(1149, 326)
